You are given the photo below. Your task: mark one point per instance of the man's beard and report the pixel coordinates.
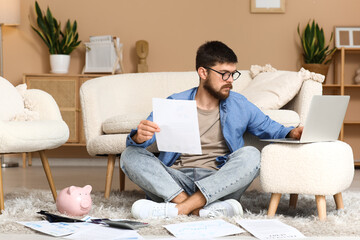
(214, 93)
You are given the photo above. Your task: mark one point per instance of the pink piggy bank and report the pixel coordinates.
(74, 201)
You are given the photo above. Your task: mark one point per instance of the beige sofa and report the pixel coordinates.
(113, 105)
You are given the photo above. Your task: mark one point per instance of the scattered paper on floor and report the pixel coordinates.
(266, 229)
(203, 229)
(82, 230)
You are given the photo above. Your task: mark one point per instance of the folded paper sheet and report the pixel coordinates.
(179, 126)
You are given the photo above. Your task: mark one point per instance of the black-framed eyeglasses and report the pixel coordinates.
(226, 75)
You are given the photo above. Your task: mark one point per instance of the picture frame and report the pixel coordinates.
(347, 37)
(104, 54)
(267, 6)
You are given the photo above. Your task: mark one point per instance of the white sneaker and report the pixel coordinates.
(146, 209)
(227, 208)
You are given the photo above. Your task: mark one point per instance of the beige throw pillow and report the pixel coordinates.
(272, 90)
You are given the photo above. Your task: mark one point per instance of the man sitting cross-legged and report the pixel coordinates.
(212, 183)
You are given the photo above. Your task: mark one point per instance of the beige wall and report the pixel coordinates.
(174, 30)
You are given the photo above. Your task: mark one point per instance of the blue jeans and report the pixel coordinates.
(162, 183)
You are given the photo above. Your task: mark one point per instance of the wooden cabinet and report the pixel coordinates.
(65, 90)
(344, 85)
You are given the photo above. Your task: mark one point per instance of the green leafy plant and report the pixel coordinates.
(49, 29)
(313, 43)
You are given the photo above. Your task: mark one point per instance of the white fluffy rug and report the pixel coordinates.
(22, 205)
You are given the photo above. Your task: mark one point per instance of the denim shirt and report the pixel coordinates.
(237, 115)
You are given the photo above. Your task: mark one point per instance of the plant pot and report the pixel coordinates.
(59, 63)
(317, 68)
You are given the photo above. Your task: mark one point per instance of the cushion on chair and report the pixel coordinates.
(27, 114)
(323, 168)
(31, 136)
(14, 102)
(107, 144)
(272, 90)
(111, 144)
(122, 123)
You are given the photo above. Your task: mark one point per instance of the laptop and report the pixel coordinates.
(324, 120)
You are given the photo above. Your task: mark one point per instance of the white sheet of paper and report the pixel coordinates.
(179, 126)
(105, 233)
(56, 229)
(81, 230)
(265, 229)
(203, 229)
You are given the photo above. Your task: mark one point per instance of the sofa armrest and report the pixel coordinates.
(43, 103)
(301, 102)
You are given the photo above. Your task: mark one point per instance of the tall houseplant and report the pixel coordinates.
(60, 43)
(317, 55)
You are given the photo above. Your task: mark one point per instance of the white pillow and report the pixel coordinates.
(27, 114)
(11, 102)
(272, 90)
(122, 123)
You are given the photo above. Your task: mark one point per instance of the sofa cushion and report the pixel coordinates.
(10, 99)
(272, 90)
(122, 123)
(288, 118)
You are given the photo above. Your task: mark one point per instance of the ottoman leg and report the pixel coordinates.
(339, 201)
(274, 202)
(321, 206)
(293, 200)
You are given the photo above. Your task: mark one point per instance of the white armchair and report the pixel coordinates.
(20, 134)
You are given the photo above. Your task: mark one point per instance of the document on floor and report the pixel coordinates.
(179, 126)
(203, 229)
(81, 230)
(105, 233)
(58, 229)
(266, 229)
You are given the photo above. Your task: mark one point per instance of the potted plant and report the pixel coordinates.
(60, 43)
(317, 55)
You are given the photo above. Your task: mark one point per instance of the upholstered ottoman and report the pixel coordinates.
(324, 168)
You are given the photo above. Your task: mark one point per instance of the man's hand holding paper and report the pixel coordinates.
(145, 131)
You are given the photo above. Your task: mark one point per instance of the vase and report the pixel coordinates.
(59, 63)
(317, 68)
